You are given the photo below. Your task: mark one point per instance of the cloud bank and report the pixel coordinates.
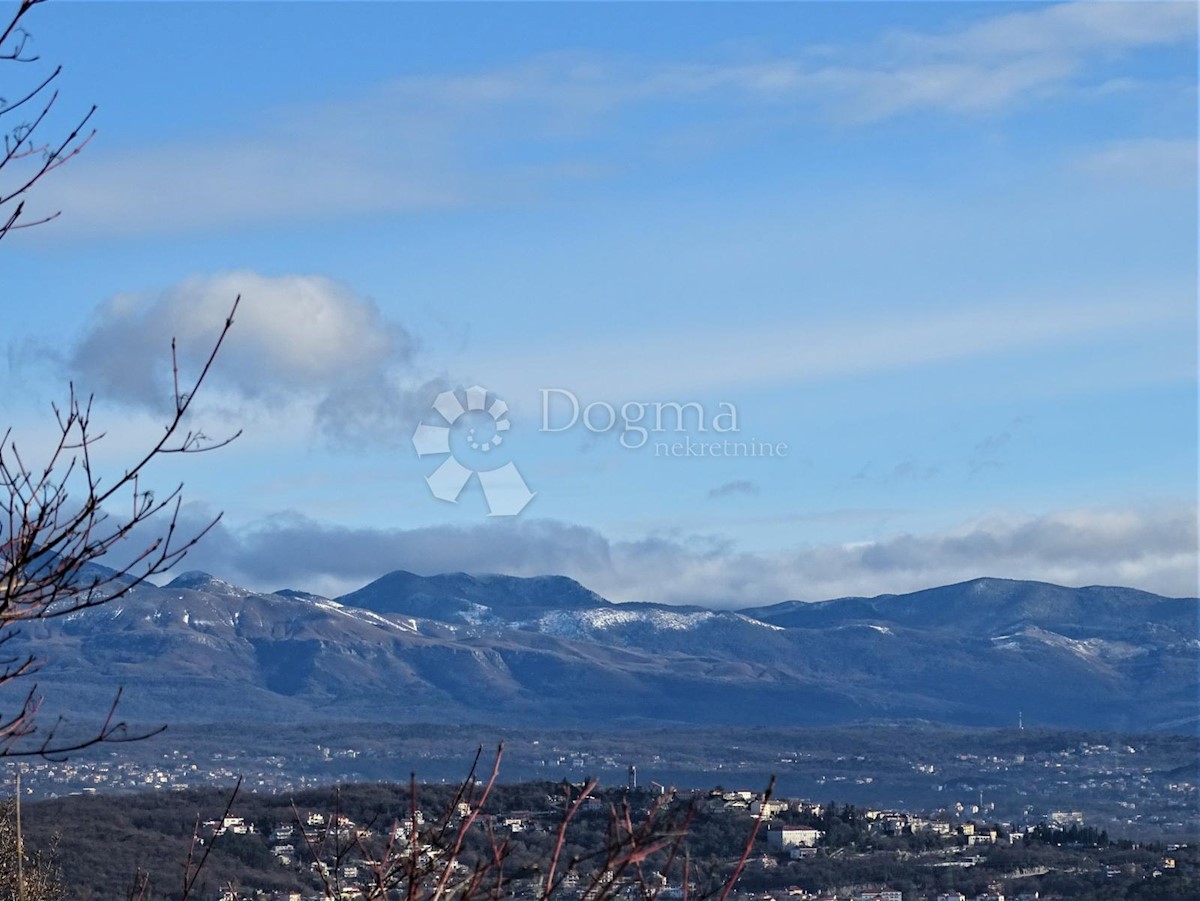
(1152, 549)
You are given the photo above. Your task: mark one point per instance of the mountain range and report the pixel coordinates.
(546, 651)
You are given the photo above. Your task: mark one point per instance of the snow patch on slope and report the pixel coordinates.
(758, 622)
(476, 614)
(581, 623)
(586, 623)
(368, 616)
(1093, 650)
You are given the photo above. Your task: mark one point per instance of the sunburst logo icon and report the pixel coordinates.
(473, 431)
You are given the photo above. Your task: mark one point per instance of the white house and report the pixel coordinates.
(783, 839)
(768, 809)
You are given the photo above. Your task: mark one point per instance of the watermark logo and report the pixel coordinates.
(676, 429)
(474, 430)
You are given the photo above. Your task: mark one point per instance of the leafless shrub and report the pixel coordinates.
(27, 155)
(25, 875)
(459, 855)
(61, 519)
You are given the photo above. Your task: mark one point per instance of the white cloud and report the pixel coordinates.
(284, 171)
(1155, 161)
(998, 61)
(1069, 28)
(679, 363)
(436, 140)
(300, 342)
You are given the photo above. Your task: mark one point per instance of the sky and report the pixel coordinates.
(782, 301)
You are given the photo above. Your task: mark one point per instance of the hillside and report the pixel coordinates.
(547, 651)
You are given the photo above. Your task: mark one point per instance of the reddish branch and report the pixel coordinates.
(192, 868)
(59, 524)
(56, 534)
(741, 865)
(27, 157)
(419, 860)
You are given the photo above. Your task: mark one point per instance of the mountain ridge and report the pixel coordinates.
(548, 651)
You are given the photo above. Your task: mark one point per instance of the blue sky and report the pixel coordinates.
(945, 253)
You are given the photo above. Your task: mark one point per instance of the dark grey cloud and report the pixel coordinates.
(988, 452)
(374, 410)
(738, 486)
(904, 471)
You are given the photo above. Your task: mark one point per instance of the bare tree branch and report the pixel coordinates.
(62, 523)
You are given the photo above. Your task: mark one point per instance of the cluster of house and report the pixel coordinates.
(800, 842)
(885, 894)
(320, 832)
(315, 836)
(309, 839)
